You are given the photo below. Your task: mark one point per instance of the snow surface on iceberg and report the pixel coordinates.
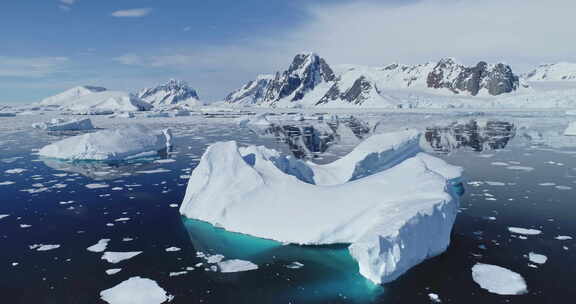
(392, 203)
(108, 145)
(111, 101)
(60, 124)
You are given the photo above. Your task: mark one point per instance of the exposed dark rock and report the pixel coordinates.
(496, 79)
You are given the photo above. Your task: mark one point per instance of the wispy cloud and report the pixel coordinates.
(187, 28)
(66, 5)
(31, 67)
(132, 13)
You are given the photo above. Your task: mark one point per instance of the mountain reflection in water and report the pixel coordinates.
(310, 139)
(477, 135)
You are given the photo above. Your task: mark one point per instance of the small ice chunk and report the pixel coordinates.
(546, 184)
(172, 249)
(500, 164)
(4, 215)
(236, 266)
(96, 186)
(6, 183)
(520, 168)
(524, 231)
(498, 280)
(42, 247)
(563, 237)
(25, 226)
(136, 290)
(15, 171)
(122, 219)
(117, 257)
(434, 298)
(214, 258)
(113, 271)
(563, 187)
(179, 273)
(100, 246)
(295, 265)
(159, 170)
(537, 258)
(495, 183)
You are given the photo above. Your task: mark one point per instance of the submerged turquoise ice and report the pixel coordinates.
(329, 272)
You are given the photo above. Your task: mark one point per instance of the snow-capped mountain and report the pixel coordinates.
(251, 93)
(310, 81)
(562, 71)
(305, 73)
(69, 95)
(174, 92)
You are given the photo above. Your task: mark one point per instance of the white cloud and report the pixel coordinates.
(66, 5)
(30, 66)
(134, 13)
(129, 59)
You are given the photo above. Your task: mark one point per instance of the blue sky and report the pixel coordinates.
(47, 46)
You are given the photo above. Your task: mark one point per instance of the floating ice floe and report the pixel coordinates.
(537, 258)
(498, 280)
(136, 290)
(113, 271)
(108, 145)
(100, 246)
(60, 124)
(4, 215)
(236, 266)
(394, 205)
(15, 171)
(524, 231)
(563, 237)
(434, 298)
(42, 247)
(117, 257)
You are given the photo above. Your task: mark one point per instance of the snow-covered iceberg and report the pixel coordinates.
(394, 205)
(60, 124)
(110, 145)
(106, 102)
(571, 129)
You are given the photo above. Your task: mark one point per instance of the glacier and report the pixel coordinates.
(391, 203)
(110, 145)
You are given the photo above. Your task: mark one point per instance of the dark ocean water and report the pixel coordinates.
(137, 209)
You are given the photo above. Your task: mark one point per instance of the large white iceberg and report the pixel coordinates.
(107, 101)
(60, 124)
(68, 96)
(109, 145)
(394, 205)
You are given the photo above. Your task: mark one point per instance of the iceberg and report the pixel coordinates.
(106, 102)
(571, 129)
(392, 204)
(136, 290)
(110, 145)
(60, 124)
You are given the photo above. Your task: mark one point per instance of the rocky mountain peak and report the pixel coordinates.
(172, 92)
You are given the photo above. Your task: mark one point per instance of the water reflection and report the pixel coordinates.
(475, 134)
(310, 139)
